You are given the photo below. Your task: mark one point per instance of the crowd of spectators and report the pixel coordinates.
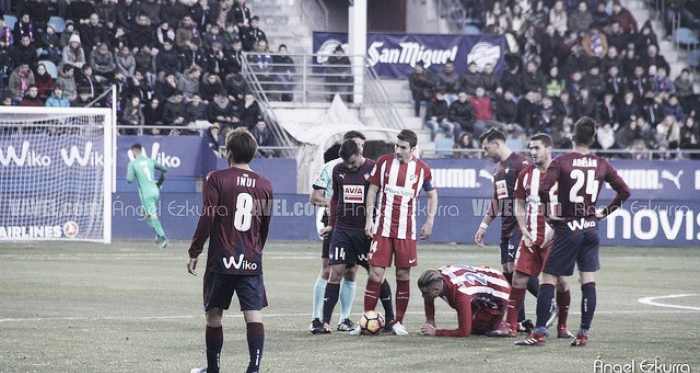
(176, 64)
(565, 60)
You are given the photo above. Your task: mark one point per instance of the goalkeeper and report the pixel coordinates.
(143, 168)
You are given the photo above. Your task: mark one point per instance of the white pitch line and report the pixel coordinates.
(287, 315)
(651, 301)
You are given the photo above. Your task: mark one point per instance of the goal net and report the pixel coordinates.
(56, 173)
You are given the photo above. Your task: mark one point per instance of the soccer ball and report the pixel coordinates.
(372, 322)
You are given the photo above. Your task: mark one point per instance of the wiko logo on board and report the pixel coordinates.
(87, 158)
(26, 157)
(169, 161)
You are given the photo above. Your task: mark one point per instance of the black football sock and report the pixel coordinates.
(255, 333)
(330, 299)
(545, 298)
(385, 296)
(533, 285)
(588, 304)
(214, 340)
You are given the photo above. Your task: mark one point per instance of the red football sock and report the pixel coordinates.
(372, 294)
(403, 292)
(563, 302)
(514, 303)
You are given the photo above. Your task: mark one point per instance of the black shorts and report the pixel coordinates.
(219, 289)
(573, 246)
(509, 246)
(349, 247)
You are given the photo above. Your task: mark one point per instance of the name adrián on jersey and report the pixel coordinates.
(585, 162)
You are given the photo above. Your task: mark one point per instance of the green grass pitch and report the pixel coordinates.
(130, 307)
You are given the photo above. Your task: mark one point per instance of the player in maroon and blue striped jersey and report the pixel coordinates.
(236, 220)
(508, 167)
(479, 294)
(580, 176)
(349, 244)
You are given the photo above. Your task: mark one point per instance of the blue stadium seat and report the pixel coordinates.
(50, 68)
(58, 23)
(10, 21)
(686, 36)
(443, 147)
(471, 30)
(694, 59)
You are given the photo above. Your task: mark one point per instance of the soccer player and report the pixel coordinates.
(398, 178)
(478, 294)
(143, 168)
(236, 220)
(349, 244)
(320, 196)
(508, 166)
(537, 237)
(580, 176)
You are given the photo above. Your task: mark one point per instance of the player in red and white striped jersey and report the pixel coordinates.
(479, 294)
(398, 178)
(537, 237)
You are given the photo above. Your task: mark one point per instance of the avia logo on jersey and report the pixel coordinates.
(353, 193)
(409, 53)
(398, 191)
(25, 158)
(169, 161)
(640, 179)
(241, 263)
(577, 225)
(87, 158)
(30, 232)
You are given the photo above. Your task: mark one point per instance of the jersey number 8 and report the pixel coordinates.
(244, 212)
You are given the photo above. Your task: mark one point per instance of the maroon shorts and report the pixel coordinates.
(531, 262)
(383, 248)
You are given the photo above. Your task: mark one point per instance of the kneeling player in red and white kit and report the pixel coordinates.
(537, 238)
(478, 294)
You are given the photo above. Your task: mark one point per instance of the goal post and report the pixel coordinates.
(56, 173)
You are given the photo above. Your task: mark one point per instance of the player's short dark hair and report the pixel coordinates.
(409, 136)
(347, 149)
(354, 134)
(544, 138)
(241, 146)
(136, 146)
(428, 278)
(584, 131)
(492, 135)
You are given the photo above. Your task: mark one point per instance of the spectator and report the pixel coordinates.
(138, 86)
(67, 81)
(38, 12)
(461, 113)
(102, 62)
(127, 12)
(120, 39)
(253, 34)
(126, 64)
(146, 63)
(339, 74)
(230, 34)
(191, 56)
(20, 80)
(581, 19)
(167, 61)
(645, 37)
(555, 84)
(141, 33)
(49, 44)
(215, 59)
(661, 84)
(57, 99)
(464, 146)
(241, 15)
(166, 87)
(489, 80)
(43, 82)
(220, 111)
(174, 111)
(188, 83)
(64, 38)
(628, 110)
(537, 17)
(93, 33)
(601, 18)
(84, 99)
(6, 36)
(558, 17)
(211, 85)
(284, 70)
(234, 58)
(623, 16)
(684, 90)
(528, 112)
(518, 20)
(595, 44)
(564, 106)
(595, 82)
(614, 82)
(507, 110)
(206, 14)
(420, 83)
(187, 34)
(86, 80)
(533, 80)
(173, 11)
(212, 36)
(195, 116)
(512, 79)
(249, 111)
(668, 134)
(79, 11)
(31, 98)
(617, 37)
(636, 130)
(690, 136)
(153, 116)
(263, 135)
(214, 139)
(152, 9)
(73, 53)
(107, 11)
(607, 112)
(549, 43)
(653, 111)
(612, 58)
(24, 52)
(436, 117)
(236, 88)
(605, 137)
(164, 32)
(640, 84)
(132, 117)
(673, 107)
(548, 119)
(470, 79)
(483, 110)
(447, 81)
(653, 61)
(7, 101)
(24, 27)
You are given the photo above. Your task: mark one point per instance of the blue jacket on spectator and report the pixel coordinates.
(55, 101)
